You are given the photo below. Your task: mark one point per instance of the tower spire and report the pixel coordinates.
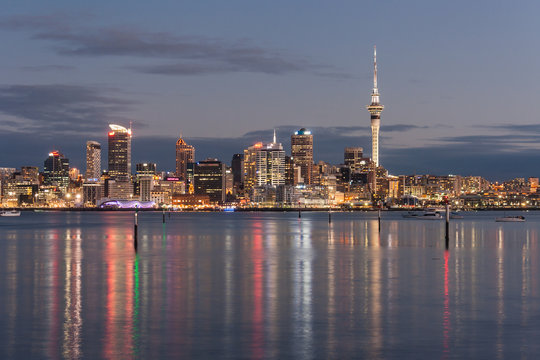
(275, 140)
(375, 90)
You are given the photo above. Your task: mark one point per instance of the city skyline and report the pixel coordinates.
(73, 69)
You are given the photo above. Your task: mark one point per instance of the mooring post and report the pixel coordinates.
(379, 215)
(163, 213)
(135, 229)
(299, 211)
(329, 215)
(447, 237)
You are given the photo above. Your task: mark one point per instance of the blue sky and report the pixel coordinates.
(459, 80)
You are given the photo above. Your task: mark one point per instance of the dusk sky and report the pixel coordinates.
(460, 80)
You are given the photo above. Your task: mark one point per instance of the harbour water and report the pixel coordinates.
(268, 286)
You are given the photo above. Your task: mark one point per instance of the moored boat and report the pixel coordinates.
(10, 213)
(430, 215)
(515, 218)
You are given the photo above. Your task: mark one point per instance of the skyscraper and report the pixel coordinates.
(352, 156)
(237, 168)
(375, 109)
(93, 160)
(119, 152)
(185, 154)
(210, 179)
(355, 160)
(302, 153)
(56, 170)
(270, 164)
(250, 166)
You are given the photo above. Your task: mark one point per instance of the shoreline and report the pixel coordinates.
(336, 210)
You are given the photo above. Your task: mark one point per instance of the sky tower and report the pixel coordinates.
(375, 109)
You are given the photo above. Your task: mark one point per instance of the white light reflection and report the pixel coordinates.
(271, 284)
(500, 295)
(71, 348)
(302, 296)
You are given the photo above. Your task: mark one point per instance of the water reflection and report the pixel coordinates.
(268, 286)
(302, 292)
(73, 323)
(446, 312)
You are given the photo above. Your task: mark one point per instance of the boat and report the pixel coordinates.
(429, 215)
(515, 218)
(412, 214)
(455, 215)
(10, 213)
(423, 215)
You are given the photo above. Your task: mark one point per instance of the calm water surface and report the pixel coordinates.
(268, 286)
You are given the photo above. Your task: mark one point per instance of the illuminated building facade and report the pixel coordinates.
(302, 153)
(93, 161)
(56, 170)
(209, 179)
(185, 154)
(250, 166)
(354, 159)
(270, 164)
(119, 153)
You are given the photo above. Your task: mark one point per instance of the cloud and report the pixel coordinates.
(58, 109)
(528, 128)
(489, 143)
(48, 68)
(192, 55)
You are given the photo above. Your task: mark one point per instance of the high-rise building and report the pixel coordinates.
(302, 153)
(56, 170)
(250, 166)
(209, 179)
(119, 153)
(145, 168)
(375, 109)
(185, 154)
(355, 160)
(289, 171)
(237, 168)
(30, 174)
(270, 164)
(93, 161)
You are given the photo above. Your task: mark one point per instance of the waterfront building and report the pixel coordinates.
(375, 109)
(209, 179)
(56, 170)
(93, 161)
(190, 200)
(185, 154)
(119, 152)
(120, 189)
(92, 193)
(146, 185)
(302, 153)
